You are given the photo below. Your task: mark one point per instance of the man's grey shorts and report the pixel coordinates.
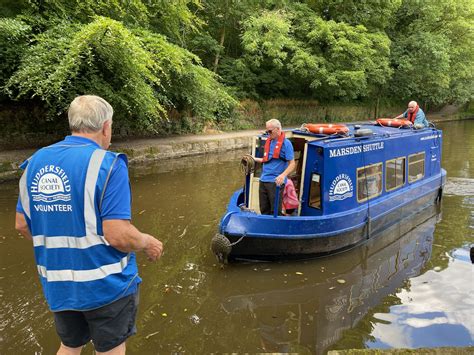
(107, 326)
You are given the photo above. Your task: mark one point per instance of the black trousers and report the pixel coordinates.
(266, 194)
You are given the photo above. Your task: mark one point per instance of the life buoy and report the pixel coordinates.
(326, 128)
(393, 122)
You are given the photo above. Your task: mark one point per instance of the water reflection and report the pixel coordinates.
(448, 316)
(312, 317)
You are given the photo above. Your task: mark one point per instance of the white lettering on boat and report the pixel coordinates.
(433, 136)
(339, 152)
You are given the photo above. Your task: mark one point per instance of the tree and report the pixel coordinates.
(432, 51)
(375, 15)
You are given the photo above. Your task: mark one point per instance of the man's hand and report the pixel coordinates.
(124, 236)
(154, 248)
(280, 179)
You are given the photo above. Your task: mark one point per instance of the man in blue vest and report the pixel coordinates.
(278, 161)
(415, 115)
(75, 205)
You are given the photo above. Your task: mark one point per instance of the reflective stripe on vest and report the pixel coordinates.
(89, 193)
(83, 275)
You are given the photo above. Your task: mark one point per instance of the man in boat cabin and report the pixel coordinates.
(278, 161)
(75, 205)
(415, 115)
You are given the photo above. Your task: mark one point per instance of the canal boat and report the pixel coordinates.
(351, 184)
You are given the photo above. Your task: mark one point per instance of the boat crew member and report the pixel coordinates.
(278, 161)
(415, 115)
(75, 205)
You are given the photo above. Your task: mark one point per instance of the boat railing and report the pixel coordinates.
(276, 204)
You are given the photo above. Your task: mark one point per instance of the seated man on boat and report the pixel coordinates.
(415, 115)
(278, 161)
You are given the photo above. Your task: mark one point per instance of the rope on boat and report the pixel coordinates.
(247, 164)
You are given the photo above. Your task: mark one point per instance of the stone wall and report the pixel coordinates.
(140, 151)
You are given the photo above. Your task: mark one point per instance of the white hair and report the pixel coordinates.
(413, 103)
(88, 113)
(274, 123)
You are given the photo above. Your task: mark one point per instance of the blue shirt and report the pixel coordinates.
(66, 191)
(274, 167)
(420, 118)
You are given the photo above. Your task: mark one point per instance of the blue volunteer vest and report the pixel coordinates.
(61, 192)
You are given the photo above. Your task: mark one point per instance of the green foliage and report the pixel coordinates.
(179, 65)
(14, 36)
(433, 53)
(139, 72)
(372, 14)
(11, 8)
(175, 19)
(130, 11)
(102, 58)
(189, 87)
(267, 37)
(351, 60)
(334, 60)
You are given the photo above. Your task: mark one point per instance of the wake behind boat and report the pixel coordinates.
(353, 181)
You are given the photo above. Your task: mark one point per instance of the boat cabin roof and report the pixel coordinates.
(357, 132)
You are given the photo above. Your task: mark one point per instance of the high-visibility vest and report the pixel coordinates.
(61, 192)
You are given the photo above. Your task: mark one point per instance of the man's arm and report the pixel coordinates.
(116, 214)
(281, 178)
(402, 115)
(124, 236)
(21, 226)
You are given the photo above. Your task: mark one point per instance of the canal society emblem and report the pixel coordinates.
(341, 188)
(51, 184)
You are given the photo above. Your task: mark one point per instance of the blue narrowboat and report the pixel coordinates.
(350, 186)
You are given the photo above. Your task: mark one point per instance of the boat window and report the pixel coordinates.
(416, 167)
(315, 191)
(394, 173)
(369, 182)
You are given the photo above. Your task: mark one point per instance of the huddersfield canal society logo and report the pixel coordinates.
(51, 185)
(341, 188)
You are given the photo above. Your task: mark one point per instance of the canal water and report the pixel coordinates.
(407, 291)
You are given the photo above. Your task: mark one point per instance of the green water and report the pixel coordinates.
(399, 291)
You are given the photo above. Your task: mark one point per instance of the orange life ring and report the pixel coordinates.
(326, 128)
(393, 122)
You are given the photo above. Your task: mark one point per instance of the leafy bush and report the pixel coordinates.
(102, 58)
(14, 37)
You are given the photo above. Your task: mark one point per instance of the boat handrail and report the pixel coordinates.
(380, 135)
